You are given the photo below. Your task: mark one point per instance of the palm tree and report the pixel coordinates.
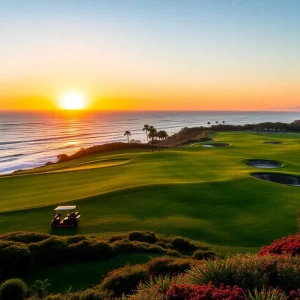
(128, 133)
(163, 134)
(152, 132)
(146, 128)
(217, 122)
(223, 122)
(208, 123)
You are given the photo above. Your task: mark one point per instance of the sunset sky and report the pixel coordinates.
(151, 55)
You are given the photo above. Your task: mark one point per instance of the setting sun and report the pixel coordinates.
(72, 101)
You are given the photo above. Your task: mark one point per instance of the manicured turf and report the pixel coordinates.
(79, 276)
(196, 192)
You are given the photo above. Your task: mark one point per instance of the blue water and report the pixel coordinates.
(32, 139)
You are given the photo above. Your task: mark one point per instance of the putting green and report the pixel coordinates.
(201, 193)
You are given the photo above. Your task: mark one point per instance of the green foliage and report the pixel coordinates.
(181, 244)
(168, 265)
(13, 289)
(50, 251)
(14, 259)
(25, 237)
(39, 288)
(204, 254)
(125, 280)
(89, 250)
(143, 236)
(17, 258)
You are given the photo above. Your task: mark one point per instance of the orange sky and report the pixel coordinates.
(161, 97)
(151, 55)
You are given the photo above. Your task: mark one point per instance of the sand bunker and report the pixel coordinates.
(279, 178)
(212, 145)
(274, 142)
(265, 164)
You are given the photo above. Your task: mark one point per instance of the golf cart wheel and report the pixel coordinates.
(53, 225)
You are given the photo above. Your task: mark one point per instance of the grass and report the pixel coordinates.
(196, 192)
(67, 276)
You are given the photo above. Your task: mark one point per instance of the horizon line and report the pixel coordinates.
(142, 110)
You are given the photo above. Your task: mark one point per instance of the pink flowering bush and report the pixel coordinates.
(289, 245)
(205, 292)
(294, 294)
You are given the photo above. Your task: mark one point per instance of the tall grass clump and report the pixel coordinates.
(249, 272)
(156, 288)
(266, 294)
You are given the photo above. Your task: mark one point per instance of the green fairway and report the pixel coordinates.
(200, 193)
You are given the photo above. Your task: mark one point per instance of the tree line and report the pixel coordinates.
(151, 133)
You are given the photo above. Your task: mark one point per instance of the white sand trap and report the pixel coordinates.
(215, 145)
(279, 178)
(264, 164)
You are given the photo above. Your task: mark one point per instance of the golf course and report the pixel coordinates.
(201, 193)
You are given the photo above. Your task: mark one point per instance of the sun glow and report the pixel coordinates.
(72, 101)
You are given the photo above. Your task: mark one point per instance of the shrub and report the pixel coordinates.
(181, 244)
(49, 252)
(168, 265)
(204, 254)
(40, 288)
(89, 294)
(249, 272)
(75, 239)
(25, 237)
(219, 271)
(124, 280)
(294, 294)
(266, 294)
(14, 259)
(115, 238)
(285, 246)
(206, 292)
(89, 250)
(13, 289)
(143, 236)
(157, 286)
(124, 246)
(54, 297)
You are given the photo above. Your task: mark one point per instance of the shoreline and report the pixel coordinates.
(273, 127)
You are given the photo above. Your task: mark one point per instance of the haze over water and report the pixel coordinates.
(31, 139)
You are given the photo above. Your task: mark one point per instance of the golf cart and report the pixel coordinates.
(65, 216)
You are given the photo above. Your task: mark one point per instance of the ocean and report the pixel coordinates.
(30, 139)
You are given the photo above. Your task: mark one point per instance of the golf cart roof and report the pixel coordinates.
(71, 207)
